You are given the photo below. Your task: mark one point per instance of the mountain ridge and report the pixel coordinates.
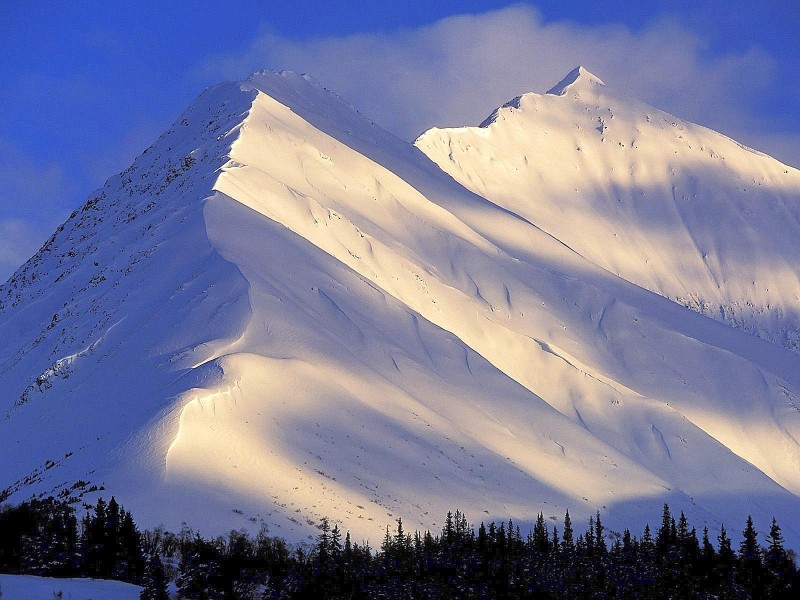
(331, 305)
(605, 183)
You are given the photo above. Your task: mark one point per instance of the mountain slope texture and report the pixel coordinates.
(281, 312)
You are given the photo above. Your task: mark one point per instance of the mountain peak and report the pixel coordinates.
(579, 76)
(296, 90)
(279, 286)
(322, 108)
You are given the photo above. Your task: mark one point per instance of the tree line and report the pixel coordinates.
(45, 537)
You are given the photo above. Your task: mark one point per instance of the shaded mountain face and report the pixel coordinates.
(281, 312)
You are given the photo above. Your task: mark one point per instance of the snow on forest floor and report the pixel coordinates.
(30, 587)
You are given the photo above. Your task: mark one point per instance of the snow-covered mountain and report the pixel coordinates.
(671, 206)
(280, 312)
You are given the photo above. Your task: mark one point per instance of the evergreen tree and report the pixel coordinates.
(448, 532)
(154, 582)
(111, 542)
(93, 540)
(402, 550)
(129, 557)
(400, 536)
(324, 548)
(664, 534)
(540, 539)
(668, 553)
(483, 539)
(750, 576)
(347, 558)
(705, 564)
(335, 569)
(589, 538)
(599, 535)
(567, 558)
(387, 550)
(726, 566)
(567, 539)
(49, 545)
(599, 563)
(748, 547)
(779, 568)
(551, 580)
(239, 577)
(336, 543)
(686, 552)
(682, 535)
(199, 576)
(624, 557)
(647, 568)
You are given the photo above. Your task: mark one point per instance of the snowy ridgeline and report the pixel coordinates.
(284, 310)
(671, 206)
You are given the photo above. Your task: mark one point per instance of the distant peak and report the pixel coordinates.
(579, 76)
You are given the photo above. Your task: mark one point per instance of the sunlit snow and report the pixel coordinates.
(282, 312)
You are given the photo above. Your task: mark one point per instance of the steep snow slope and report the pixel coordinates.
(674, 207)
(282, 312)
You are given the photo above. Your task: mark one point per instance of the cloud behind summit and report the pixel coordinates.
(457, 70)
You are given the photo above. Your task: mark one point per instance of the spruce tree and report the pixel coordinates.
(599, 535)
(347, 558)
(748, 547)
(324, 548)
(624, 555)
(199, 571)
(336, 542)
(726, 566)
(403, 554)
(567, 557)
(664, 535)
(601, 554)
(110, 542)
(750, 560)
(706, 562)
(540, 539)
(685, 555)
(154, 582)
(776, 555)
(647, 570)
(589, 537)
(94, 540)
(387, 551)
(777, 563)
(567, 538)
(129, 558)
(448, 532)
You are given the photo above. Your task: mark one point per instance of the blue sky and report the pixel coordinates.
(86, 86)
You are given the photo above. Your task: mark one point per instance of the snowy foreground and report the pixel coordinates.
(29, 587)
(281, 312)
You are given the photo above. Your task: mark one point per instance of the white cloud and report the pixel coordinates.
(29, 188)
(456, 71)
(34, 199)
(18, 242)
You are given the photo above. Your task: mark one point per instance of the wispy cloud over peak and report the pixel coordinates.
(457, 70)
